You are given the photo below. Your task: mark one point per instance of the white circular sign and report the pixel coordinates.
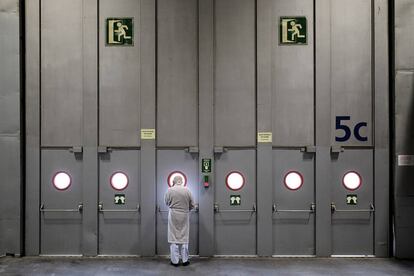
(62, 181)
(293, 180)
(235, 181)
(119, 181)
(352, 180)
(175, 174)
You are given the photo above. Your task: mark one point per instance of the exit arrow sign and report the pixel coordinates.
(206, 165)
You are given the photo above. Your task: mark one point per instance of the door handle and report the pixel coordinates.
(161, 211)
(79, 209)
(311, 209)
(370, 210)
(195, 209)
(102, 210)
(218, 210)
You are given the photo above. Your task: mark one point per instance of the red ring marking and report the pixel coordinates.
(110, 180)
(301, 180)
(360, 181)
(227, 180)
(180, 172)
(53, 180)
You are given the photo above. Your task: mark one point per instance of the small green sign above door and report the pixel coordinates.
(235, 200)
(119, 31)
(119, 199)
(293, 30)
(206, 166)
(352, 199)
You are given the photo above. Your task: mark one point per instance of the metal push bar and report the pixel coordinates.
(218, 210)
(371, 209)
(101, 209)
(310, 210)
(79, 209)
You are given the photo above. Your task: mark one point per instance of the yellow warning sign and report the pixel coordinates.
(264, 137)
(147, 134)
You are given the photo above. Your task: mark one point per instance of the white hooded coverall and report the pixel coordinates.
(180, 202)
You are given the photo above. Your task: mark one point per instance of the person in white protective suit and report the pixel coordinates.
(180, 201)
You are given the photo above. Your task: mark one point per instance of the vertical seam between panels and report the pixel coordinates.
(156, 120)
(199, 174)
(373, 118)
(22, 61)
(314, 122)
(198, 74)
(39, 75)
(391, 110)
(256, 117)
(213, 71)
(98, 118)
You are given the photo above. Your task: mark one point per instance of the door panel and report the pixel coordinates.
(177, 93)
(119, 219)
(235, 75)
(235, 225)
(61, 77)
(169, 161)
(61, 217)
(351, 73)
(352, 225)
(293, 217)
(120, 78)
(292, 79)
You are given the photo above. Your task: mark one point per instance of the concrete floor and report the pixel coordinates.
(204, 266)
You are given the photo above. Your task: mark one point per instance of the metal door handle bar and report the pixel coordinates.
(310, 210)
(166, 211)
(80, 209)
(371, 209)
(218, 210)
(101, 209)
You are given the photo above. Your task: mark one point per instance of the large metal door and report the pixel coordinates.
(294, 203)
(235, 128)
(235, 203)
(61, 108)
(119, 202)
(293, 128)
(61, 203)
(169, 164)
(352, 102)
(177, 108)
(206, 77)
(119, 139)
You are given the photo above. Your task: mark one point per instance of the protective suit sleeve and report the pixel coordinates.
(191, 205)
(167, 199)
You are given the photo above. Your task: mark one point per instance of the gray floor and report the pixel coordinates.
(204, 266)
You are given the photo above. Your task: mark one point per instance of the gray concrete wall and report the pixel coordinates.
(10, 177)
(404, 129)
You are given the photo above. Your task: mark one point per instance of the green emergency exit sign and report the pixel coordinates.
(206, 165)
(119, 31)
(293, 30)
